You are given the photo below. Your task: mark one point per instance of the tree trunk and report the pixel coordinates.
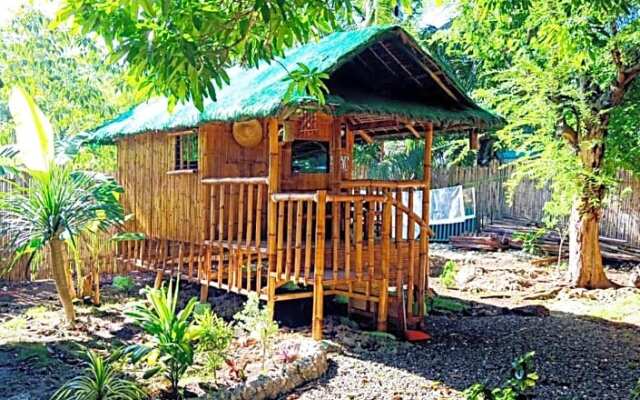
(585, 260)
(61, 277)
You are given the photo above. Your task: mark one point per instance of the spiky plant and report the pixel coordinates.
(100, 381)
(173, 334)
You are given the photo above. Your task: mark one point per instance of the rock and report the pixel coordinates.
(465, 275)
(635, 278)
(531, 311)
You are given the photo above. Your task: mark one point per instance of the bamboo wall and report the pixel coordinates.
(163, 204)
(620, 220)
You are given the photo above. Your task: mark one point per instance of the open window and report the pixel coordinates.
(186, 152)
(310, 157)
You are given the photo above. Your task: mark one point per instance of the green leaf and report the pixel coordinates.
(34, 134)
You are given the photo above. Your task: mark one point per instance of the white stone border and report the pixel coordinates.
(311, 364)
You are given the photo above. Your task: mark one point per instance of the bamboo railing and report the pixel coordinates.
(358, 242)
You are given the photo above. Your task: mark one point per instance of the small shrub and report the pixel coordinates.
(123, 284)
(237, 370)
(99, 382)
(214, 338)
(448, 274)
(172, 349)
(522, 380)
(530, 240)
(289, 352)
(258, 323)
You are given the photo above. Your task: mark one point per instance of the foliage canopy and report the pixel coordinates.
(181, 49)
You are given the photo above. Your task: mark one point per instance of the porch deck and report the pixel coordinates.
(359, 242)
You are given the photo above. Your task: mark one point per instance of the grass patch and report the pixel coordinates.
(619, 310)
(14, 324)
(36, 312)
(445, 305)
(35, 354)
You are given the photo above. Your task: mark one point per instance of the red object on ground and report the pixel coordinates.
(410, 334)
(416, 336)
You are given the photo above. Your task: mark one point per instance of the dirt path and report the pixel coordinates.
(587, 344)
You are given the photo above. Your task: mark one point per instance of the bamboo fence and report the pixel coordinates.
(620, 219)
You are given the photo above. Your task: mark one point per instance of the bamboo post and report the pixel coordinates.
(298, 244)
(289, 258)
(383, 304)
(412, 254)
(274, 186)
(221, 235)
(318, 289)
(271, 293)
(280, 247)
(259, 238)
(358, 236)
(206, 269)
(308, 241)
(424, 240)
(335, 240)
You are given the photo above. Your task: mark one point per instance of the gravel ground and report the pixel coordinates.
(576, 359)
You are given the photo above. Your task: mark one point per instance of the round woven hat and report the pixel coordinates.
(248, 133)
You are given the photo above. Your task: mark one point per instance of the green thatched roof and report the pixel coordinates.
(260, 92)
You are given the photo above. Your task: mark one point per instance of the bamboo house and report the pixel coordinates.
(253, 193)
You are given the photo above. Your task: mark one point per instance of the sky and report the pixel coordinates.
(9, 7)
(438, 16)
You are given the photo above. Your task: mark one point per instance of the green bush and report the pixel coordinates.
(448, 274)
(258, 323)
(100, 381)
(522, 380)
(530, 240)
(171, 351)
(123, 284)
(214, 338)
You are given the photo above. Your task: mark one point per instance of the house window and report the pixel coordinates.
(186, 152)
(310, 157)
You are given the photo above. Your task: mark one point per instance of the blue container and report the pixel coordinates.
(442, 232)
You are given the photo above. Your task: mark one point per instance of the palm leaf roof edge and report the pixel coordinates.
(260, 92)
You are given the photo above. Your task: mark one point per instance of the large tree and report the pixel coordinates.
(65, 72)
(182, 48)
(564, 74)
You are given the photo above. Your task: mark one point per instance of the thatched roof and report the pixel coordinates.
(377, 72)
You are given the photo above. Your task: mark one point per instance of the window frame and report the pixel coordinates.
(326, 144)
(180, 164)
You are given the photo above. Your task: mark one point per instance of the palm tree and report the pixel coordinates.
(56, 203)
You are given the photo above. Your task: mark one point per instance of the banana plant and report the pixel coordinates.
(54, 203)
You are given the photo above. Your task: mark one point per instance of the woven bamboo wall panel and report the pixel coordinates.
(168, 206)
